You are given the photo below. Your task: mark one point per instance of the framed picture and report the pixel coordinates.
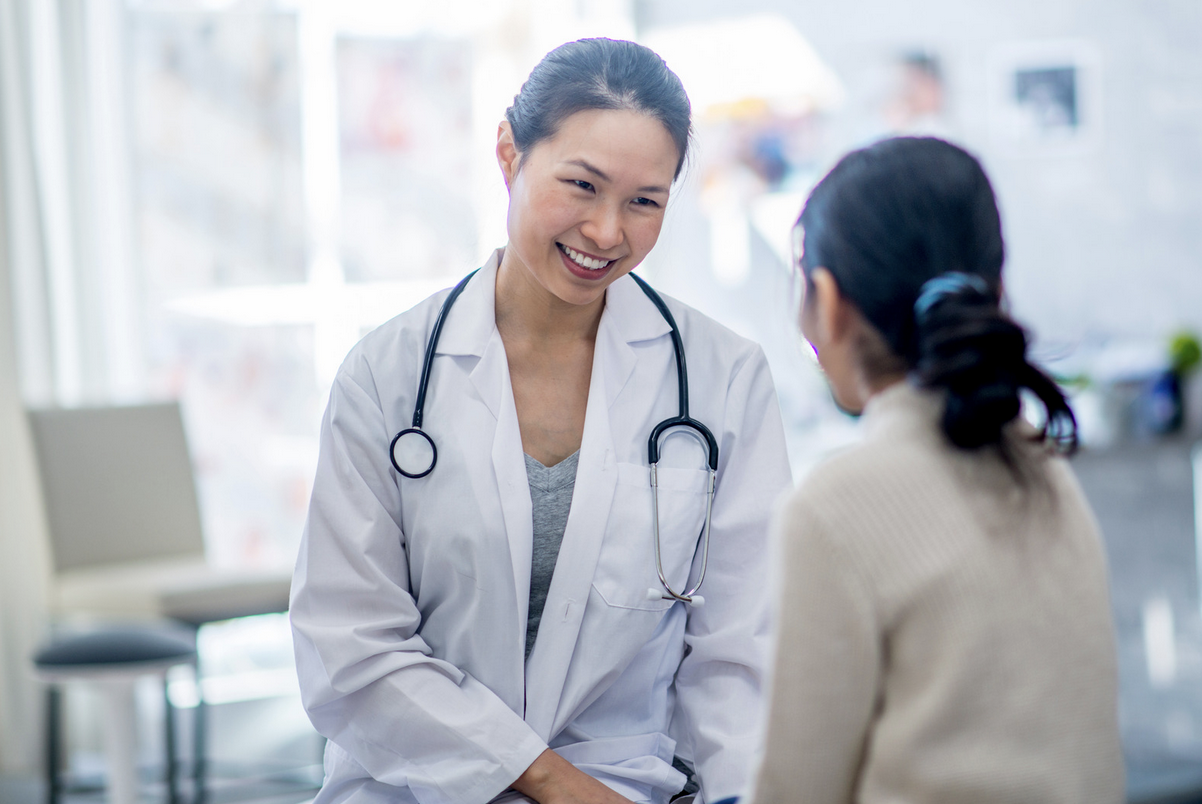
(1045, 97)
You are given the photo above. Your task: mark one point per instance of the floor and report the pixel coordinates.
(1143, 496)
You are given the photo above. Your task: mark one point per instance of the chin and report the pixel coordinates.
(571, 293)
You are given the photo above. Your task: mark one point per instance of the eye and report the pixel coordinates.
(645, 202)
(583, 185)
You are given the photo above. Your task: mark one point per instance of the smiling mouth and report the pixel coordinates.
(584, 261)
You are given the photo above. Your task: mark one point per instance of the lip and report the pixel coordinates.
(584, 273)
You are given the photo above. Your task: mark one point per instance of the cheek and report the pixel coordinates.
(644, 233)
(805, 322)
(541, 200)
(535, 210)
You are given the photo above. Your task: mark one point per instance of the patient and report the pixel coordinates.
(944, 627)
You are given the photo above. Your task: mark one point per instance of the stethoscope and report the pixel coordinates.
(414, 448)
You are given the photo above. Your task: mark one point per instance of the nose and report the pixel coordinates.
(604, 227)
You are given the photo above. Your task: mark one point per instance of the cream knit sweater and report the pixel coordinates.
(944, 631)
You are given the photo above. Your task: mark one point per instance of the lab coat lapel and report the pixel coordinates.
(471, 330)
(476, 332)
(509, 464)
(471, 327)
(630, 317)
(596, 480)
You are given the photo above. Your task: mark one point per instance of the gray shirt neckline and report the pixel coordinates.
(551, 490)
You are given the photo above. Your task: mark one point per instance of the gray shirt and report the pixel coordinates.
(550, 498)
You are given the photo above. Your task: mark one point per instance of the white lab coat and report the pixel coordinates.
(410, 597)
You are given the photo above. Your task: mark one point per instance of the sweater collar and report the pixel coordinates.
(902, 406)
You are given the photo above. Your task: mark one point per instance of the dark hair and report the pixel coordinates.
(923, 62)
(599, 74)
(910, 218)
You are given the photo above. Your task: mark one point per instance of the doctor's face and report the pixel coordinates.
(586, 205)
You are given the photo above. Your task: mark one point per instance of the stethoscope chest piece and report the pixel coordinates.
(413, 453)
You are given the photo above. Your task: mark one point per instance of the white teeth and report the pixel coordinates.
(583, 261)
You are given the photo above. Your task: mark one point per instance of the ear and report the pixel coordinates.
(508, 156)
(832, 312)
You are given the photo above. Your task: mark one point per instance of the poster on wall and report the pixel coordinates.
(1045, 97)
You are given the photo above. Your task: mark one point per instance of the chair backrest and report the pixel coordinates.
(118, 484)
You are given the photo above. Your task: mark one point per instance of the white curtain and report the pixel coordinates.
(66, 155)
(67, 291)
(24, 563)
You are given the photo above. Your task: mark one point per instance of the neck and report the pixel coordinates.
(870, 387)
(526, 309)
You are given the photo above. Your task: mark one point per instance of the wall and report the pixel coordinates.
(1102, 244)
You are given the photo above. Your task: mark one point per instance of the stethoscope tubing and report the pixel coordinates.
(682, 419)
(420, 404)
(691, 595)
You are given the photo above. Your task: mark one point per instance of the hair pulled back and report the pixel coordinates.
(599, 74)
(909, 229)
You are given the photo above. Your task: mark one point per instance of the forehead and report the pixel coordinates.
(623, 144)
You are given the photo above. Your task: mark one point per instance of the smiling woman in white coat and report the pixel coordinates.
(485, 631)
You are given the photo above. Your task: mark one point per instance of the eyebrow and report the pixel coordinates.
(580, 163)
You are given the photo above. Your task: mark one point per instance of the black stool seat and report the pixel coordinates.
(116, 646)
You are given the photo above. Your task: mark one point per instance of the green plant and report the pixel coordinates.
(1073, 382)
(1185, 352)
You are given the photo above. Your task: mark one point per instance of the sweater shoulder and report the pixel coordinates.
(865, 470)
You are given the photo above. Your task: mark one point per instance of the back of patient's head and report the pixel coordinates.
(909, 230)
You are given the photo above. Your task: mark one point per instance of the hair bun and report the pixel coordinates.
(976, 418)
(968, 347)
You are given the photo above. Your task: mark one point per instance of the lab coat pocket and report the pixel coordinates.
(626, 566)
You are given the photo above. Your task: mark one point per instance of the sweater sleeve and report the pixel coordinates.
(826, 668)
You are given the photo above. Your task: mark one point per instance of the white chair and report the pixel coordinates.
(125, 526)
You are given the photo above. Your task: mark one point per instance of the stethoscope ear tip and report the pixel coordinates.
(696, 601)
(654, 594)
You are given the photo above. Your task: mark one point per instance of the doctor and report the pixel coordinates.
(456, 639)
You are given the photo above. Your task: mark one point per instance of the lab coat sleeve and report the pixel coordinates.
(720, 680)
(368, 679)
(826, 669)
